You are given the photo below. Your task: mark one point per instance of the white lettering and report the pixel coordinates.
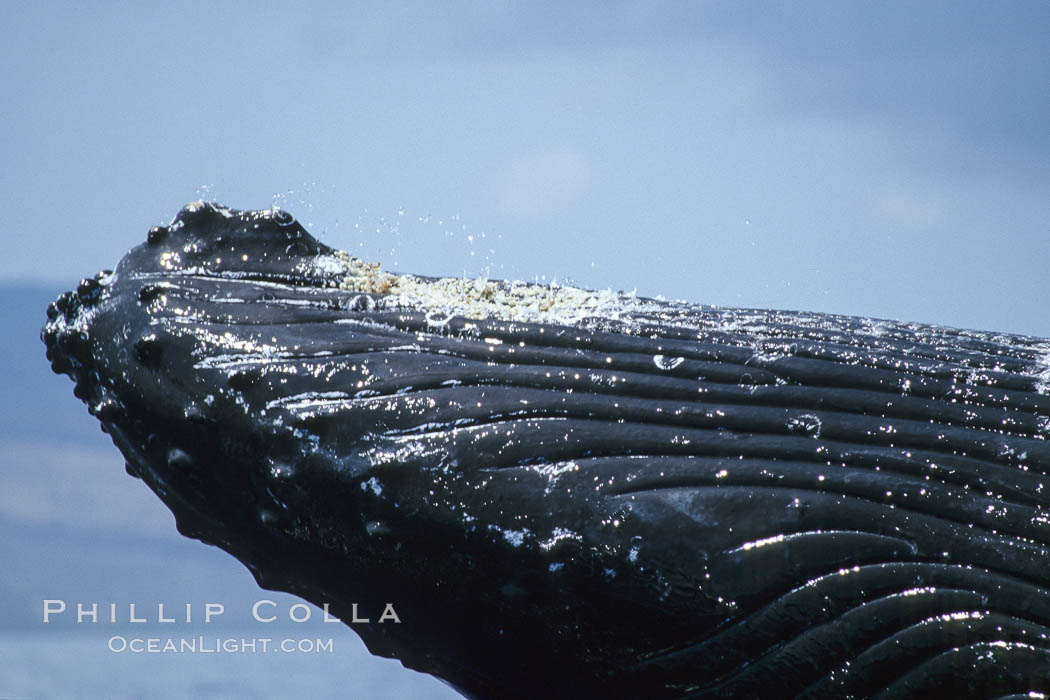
(255, 611)
(212, 610)
(83, 612)
(291, 613)
(50, 608)
(389, 614)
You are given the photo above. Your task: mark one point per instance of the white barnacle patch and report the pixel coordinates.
(482, 298)
(328, 265)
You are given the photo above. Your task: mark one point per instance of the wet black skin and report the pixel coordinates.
(685, 501)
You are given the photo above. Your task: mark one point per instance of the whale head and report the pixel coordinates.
(576, 493)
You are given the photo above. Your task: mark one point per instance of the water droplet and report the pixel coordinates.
(297, 249)
(269, 516)
(375, 527)
(667, 363)
(438, 319)
(806, 424)
(195, 414)
(281, 470)
(108, 409)
(178, 459)
(282, 218)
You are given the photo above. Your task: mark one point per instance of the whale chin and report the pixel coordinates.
(571, 493)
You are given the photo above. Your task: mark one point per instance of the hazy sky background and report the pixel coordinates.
(887, 159)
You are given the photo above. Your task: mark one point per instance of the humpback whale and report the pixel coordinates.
(570, 493)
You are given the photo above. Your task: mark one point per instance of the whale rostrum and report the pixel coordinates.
(571, 493)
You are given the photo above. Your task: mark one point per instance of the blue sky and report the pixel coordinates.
(888, 159)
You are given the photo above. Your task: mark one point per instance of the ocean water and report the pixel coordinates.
(42, 665)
